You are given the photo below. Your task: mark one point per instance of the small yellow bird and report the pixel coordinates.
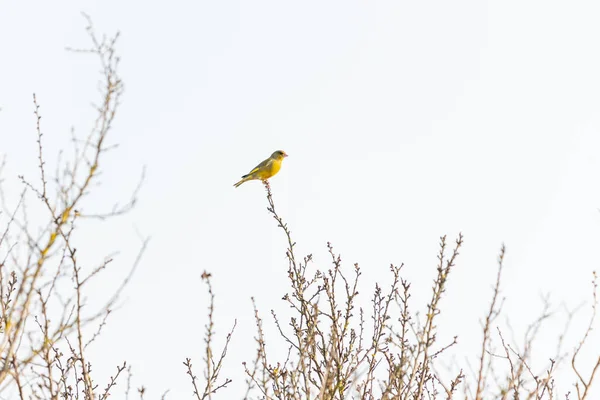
(265, 169)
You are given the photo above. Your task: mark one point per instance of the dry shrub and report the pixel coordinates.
(46, 321)
(339, 350)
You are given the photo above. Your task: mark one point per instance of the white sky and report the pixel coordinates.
(403, 120)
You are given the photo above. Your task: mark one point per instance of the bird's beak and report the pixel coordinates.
(285, 155)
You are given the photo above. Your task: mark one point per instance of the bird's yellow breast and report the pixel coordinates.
(271, 169)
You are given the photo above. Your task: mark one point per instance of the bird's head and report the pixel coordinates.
(279, 155)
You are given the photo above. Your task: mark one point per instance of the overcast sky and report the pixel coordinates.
(403, 121)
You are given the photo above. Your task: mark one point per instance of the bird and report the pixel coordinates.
(265, 169)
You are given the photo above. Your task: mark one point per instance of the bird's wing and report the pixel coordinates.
(258, 167)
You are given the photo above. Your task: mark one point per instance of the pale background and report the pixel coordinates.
(403, 120)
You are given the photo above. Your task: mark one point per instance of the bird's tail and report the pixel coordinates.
(244, 179)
